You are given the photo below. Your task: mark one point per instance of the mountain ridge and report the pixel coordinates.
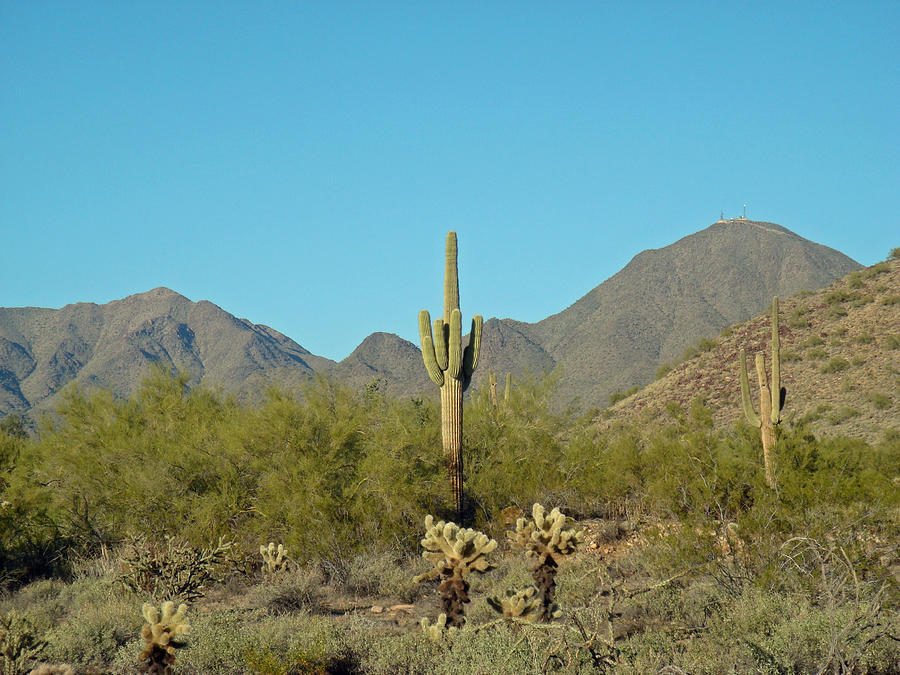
(610, 339)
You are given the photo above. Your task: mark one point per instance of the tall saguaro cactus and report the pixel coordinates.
(771, 399)
(450, 367)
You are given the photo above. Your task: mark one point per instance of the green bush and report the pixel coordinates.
(835, 365)
(879, 400)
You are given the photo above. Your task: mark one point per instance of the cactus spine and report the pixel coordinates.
(450, 367)
(771, 398)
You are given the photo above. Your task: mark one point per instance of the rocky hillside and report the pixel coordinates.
(840, 355)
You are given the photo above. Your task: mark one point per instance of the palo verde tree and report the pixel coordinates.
(771, 398)
(450, 367)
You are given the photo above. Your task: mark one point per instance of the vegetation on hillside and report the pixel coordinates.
(690, 561)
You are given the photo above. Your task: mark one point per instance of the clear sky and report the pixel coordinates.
(299, 163)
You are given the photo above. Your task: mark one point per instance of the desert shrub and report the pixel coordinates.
(94, 631)
(813, 341)
(842, 414)
(622, 395)
(879, 400)
(662, 371)
(835, 365)
(890, 300)
(172, 569)
(892, 342)
(787, 356)
(875, 270)
(838, 296)
(20, 643)
(894, 254)
(796, 318)
(855, 280)
(864, 339)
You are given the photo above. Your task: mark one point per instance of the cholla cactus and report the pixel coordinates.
(454, 552)
(524, 604)
(547, 538)
(159, 631)
(274, 560)
(437, 630)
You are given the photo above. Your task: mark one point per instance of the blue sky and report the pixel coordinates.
(299, 163)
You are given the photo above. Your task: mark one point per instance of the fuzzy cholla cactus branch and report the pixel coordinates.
(274, 560)
(438, 630)
(163, 625)
(524, 604)
(454, 552)
(548, 538)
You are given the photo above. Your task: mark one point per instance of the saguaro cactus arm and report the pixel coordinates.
(778, 392)
(752, 418)
(432, 366)
(473, 349)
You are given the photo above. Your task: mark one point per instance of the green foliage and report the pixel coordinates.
(835, 365)
(879, 400)
(704, 345)
(663, 370)
(816, 353)
(13, 426)
(864, 339)
(622, 395)
(20, 643)
(839, 296)
(855, 280)
(843, 414)
(894, 254)
(890, 300)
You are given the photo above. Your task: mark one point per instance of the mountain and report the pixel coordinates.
(395, 363)
(840, 350)
(664, 300)
(114, 346)
(613, 338)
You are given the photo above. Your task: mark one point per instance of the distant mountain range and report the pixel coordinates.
(613, 338)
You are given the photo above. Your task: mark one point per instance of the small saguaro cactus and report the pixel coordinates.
(454, 552)
(771, 398)
(450, 367)
(274, 560)
(163, 625)
(546, 538)
(492, 379)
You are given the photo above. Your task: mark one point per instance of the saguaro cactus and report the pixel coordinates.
(771, 398)
(450, 367)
